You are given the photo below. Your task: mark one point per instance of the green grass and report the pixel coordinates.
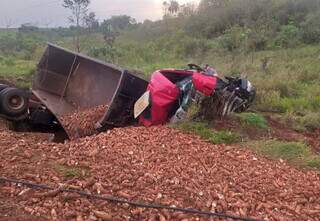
(309, 121)
(287, 151)
(11, 67)
(207, 133)
(16, 70)
(253, 119)
(313, 163)
(292, 81)
(70, 172)
(295, 153)
(224, 137)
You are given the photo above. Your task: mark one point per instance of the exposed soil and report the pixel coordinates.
(276, 130)
(244, 130)
(313, 138)
(156, 165)
(284, 132)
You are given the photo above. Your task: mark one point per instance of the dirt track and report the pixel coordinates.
(158, 165)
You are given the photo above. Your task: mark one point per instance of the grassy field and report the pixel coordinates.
(17, 71)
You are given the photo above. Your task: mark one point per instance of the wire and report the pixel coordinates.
(124, 201)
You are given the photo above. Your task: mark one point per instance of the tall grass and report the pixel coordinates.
(14, 68)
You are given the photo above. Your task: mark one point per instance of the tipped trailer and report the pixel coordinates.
(69, 85)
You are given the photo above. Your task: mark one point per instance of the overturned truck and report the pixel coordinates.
(75, 95)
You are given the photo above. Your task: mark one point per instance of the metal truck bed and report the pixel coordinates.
(68, 83)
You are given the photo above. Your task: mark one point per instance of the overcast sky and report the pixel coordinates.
(51, 13)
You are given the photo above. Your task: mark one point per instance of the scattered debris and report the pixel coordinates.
(195, 174)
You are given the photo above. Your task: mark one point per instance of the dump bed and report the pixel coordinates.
(85, 95)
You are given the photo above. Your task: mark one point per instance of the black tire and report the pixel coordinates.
(13, 102)
(3, 86)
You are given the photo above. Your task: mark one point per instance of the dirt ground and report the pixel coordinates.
(276, 130)
(155, 165)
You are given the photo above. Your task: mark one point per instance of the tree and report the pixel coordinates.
(311, 29)
(79, 9)
(91, 21)
(8, 22)
(108, 51)
(288, 36)
(8, 43)
(173, 7)
(204, 4)
(109, 35)
(27, 28)
(119, 22)
(187, 10)
(165, 6)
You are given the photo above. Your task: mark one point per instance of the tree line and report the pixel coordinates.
(236, 25)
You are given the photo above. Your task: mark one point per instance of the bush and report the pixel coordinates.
(269, 101)
(295, 105)
(308, 77)
(189, 47)
(253, 119)
(311, 29)
(9, 62)
(288, 36)
(106, 53)
(8, 43)
(257, 41)
(233, 38)
(311, 121)
(286, 88)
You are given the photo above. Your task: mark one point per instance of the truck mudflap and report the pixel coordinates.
(85, 94)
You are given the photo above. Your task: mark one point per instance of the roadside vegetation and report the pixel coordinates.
(253, 119)
(276, 44)
(295, 153)
(205, 131)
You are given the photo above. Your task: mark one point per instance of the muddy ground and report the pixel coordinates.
(155, 165)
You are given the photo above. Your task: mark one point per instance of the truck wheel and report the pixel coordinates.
(3, 86)
(13, 102)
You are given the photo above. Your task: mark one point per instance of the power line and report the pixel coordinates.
(124, 201)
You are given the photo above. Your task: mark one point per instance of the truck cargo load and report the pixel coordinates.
(85, 95)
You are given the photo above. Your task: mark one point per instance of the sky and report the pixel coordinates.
(51, 13)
